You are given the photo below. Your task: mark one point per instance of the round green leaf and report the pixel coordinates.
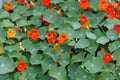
(91, 35)
(64, 59)
(109, 23)
(58, 73)
(116, 55)
(76, 25)
(1, 4)
(94, 64)
(30, 73)
(6, 65)
(106, 76)
(82, 43)
(114, 45)
(93, 47)
(117, 73)
(78, 57)
(102, 40)
(35, 59)
(118, 62)
(109, 67)
(47, 64)
(15, 16)
(3, 14)
(57, 1)
(81, 74)
(7, 23)
(80, 33)
(72, 70)
(112, 35)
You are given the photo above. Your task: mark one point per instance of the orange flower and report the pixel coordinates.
(84, 4)
(107, 57)
(11, 33)
(33, 34)
(103, 4)
(21, 66)
(117, 15)
(117, 28)
(8, 6)
(46, 23)
(1, 51)
(51, 36)
(62, 37)
(20, 1)
(46, 2)
(84, 21)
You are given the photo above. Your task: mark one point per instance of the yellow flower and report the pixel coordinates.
(11, 33)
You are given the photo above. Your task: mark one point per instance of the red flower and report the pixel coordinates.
(84, 4)
(51, 36)
(117, 15)
(117, 28)
(107, 57)
(21, 66)
(33, 34)
(46, 23)
(84, 21)
(46, 2)
(111, 15)
(118, 6)
(20, 0)
(110, 10)
(83, 18)
(103, 4)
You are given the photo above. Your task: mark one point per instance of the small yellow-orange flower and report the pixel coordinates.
(59, 11)
(1, 51)
(62, 37)
(8, 6)
(11, 33)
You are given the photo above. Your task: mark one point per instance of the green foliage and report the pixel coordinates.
(7, 65)
(79, 57)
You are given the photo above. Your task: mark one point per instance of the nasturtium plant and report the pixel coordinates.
(59, 39)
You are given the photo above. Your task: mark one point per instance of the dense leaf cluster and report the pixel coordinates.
(78, 57)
